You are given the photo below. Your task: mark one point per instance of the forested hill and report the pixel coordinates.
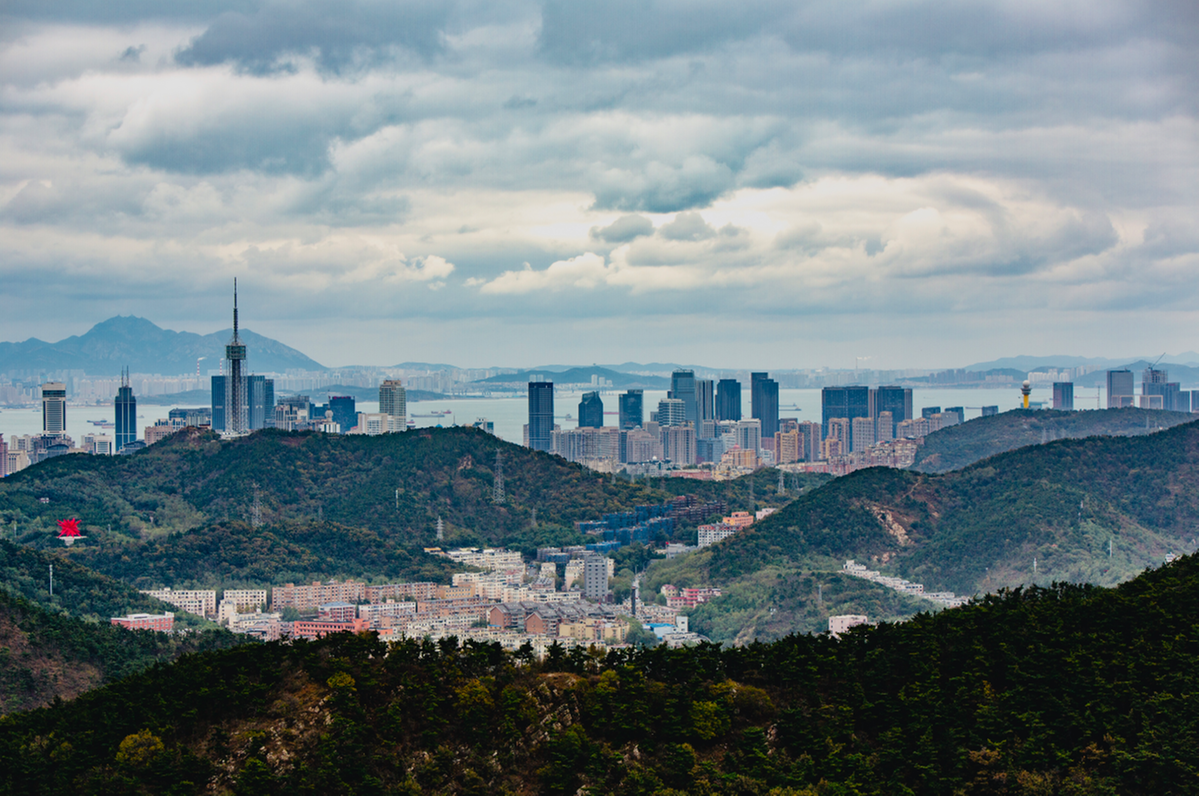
(1061, 690)
(1095, 510)
(395, 484)
(978, 529)
(62, 644)
(962, 445)
(47, 655)
(78, 590)
(229, 555)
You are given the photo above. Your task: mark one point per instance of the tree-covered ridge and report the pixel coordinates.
(396, 484)
(978, 529)
(962, 445)
(1096, 510)
(79, 591)
(1059, 690)
(45, 655)
(237, 555)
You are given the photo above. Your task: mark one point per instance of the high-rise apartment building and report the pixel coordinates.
(749, 435)
(862, 434)
(54, 408)
(393, 401)
(591, 411)
(126, 414)
(764, 402)
(678, 444)
(1119, 389)
(813, 438)
(672, 412)
(787, 447)
(632, 410)
(884, 427)
(682, 387)
(728, 400)
(1063, 395)
(541, 415)
(595, 577)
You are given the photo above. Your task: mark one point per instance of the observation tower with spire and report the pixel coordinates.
(236, 420)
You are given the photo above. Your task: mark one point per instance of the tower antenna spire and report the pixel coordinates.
(235, 308)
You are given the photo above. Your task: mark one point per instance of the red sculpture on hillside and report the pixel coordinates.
(68, 531)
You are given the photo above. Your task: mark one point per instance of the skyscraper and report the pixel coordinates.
(393, 402)
(848, 403)
(541, 415)
(632, 410)
(1156, 382)
(126, 411)
(1063, 395)
(218, 403)
(705, 401)
(237, 419)
(682, 387)
(345, 411)
(260, 402)
(54, 408)
(591, 411)
(897, 401)
(1119, 389)
(728, 400)
(764, 403)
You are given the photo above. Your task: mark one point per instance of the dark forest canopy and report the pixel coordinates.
(1058, 690)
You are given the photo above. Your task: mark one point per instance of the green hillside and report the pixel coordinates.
(181, 512)
(46, 655)
(61, 645)
(79, 591)
(1060, 690)
(229, 555)
(396, 484)
(1067, 504)
(962, 445)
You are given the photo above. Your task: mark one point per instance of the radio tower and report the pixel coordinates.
(440, 529)
(782, 483)
(235, 380)
(497, 491)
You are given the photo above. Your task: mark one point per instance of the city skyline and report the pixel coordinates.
(874, 181)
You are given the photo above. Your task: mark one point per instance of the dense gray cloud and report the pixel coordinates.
(335, 33)
(624, 229)
(822, 168)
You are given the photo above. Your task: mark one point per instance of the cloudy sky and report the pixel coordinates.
(775, 184)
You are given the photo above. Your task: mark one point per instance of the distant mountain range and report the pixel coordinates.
(1027, 364)
(582, 376)
(1187, 377)
(143, 347)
